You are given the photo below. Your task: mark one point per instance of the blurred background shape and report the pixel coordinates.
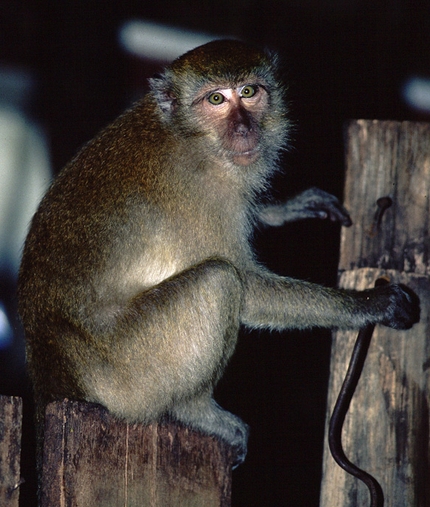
(159, 42)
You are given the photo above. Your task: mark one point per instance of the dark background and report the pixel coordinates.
(343, 59)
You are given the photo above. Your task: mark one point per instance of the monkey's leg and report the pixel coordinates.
(203, 413)
(168, 349)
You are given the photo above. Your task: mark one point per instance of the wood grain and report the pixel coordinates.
(10, 450)
(386, 431)
(91, 459)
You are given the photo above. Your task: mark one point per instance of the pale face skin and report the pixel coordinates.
(241, 108)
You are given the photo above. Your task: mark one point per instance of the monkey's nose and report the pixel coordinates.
(242, 129)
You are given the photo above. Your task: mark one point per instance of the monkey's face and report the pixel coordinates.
(230, 118)
(226, 98)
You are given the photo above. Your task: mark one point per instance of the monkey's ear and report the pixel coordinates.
(162, 91)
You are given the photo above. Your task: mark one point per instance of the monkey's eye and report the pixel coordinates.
(216, 98)
(248, 91)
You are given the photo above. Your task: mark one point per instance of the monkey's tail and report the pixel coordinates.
(341, 408)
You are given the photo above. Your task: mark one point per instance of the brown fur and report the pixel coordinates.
(137, 271)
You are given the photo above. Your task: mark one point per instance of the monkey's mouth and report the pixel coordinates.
(245, 157)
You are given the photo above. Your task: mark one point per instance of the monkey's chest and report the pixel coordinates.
(164, 249)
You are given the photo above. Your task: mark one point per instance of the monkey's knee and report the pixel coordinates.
(219, 272)
(212, 291)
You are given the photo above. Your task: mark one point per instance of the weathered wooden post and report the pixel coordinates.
(93, 460)
(10, 450)
(386, 431)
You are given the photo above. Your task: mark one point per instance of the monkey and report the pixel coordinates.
(138, 269)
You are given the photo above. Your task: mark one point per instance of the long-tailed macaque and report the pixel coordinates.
(138, 271)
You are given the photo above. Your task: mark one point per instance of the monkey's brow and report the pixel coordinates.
(206, 92)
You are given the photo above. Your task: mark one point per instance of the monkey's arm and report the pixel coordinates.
(283, 303)
(312, 203)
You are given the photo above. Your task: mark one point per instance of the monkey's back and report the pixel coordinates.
(124, 215)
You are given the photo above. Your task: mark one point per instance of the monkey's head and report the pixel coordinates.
(229, 94)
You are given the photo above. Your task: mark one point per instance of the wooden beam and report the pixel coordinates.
(10, 450)
(93, 460)
(387, 429)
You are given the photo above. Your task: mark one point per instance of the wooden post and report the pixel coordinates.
(386, 431)
(93, 460)
(10, 450)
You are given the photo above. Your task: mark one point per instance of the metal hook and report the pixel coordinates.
(383, 203)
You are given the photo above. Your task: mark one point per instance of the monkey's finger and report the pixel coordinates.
(333, 211)
(338, 213)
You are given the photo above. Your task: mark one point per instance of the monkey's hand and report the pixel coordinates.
(312, 203)
(398, 306)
